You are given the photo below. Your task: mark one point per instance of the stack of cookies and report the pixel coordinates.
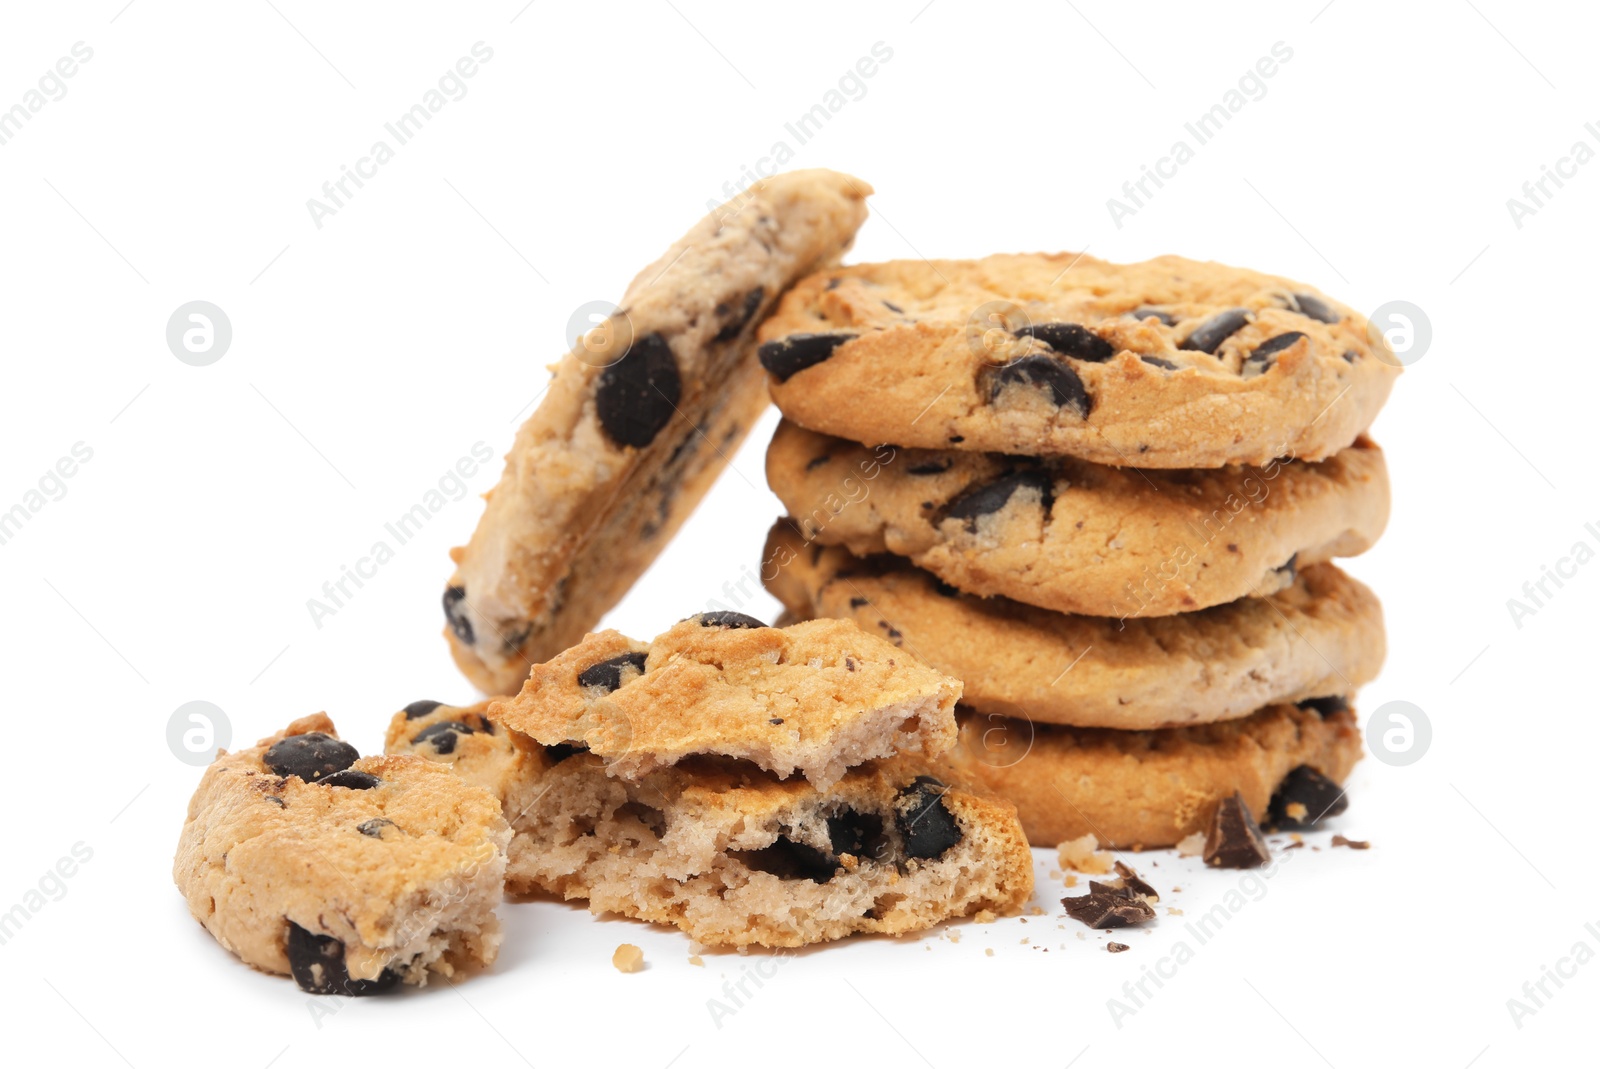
(1106, 498)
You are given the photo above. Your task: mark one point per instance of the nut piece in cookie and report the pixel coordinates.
(816, 698)
(350, 874)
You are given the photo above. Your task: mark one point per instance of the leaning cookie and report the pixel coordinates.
(639, 420)
(1170, 363)
(350, 874)
(735, 857)
(816, 698)
(1322, 634)
(1076, 537)
(1153, 788)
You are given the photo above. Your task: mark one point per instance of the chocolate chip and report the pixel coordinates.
(1071, 339)
(956, 439)
(895, 308)
(789, 860)
(776, 721)
(456, 614)
(638, 392)
(1305, 798)
(856, 603)
(353, 778)
(1060, 383)
(1314, 307)
(421, 709)
(1142, 314)
(787, 357)
(858, 834)
(1216, 330)
(317, 964)
(726, 619)
(1108, 908)
(1116, 948)
(442, 735)
(734, 327)
(972, 505)
(1350, 356)
(1325, 707)
(275, 800)
(608, 673)
(931, 467)
(1263, 355)
(563, 750)
(373, 828)
(816, 462)
(1135, 883)
(1289, 568)
(1156, 361)
(944, 589)
(1234, 841)
(310, 756)
(927, 827)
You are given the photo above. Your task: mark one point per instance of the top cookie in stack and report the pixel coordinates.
(1103, 468)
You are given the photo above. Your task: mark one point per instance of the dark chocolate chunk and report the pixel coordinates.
(1350, 356)
(895, 308)
(421, 709)
(787, 357)
(734, 327)
(1145, 313)
(1263, 355)
(1216, 330)
(1108, 908)
(1156, 361)
(1062, 384)
(1289, 568)
(775, 721)
(638, 392)
(927, 827)
(972, 505)
(931, 467)
(789, 860)
(608, 673)
(859, 834)
(275, 800)
(1325, 707)
(311, 756)
(456, 614)
(816, 462)
(1135, 883)
(956, 439)
(1234, 841)
(1071, 339)
(1116, 948)
(856, 603)
(563, 750)
(1305, 798)
(373, 828)
(317, 964)
(944, 589)
(353, 778)
(726, 619)
(442, 735)
(1314, 307)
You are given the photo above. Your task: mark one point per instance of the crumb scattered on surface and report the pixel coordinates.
(1116, 948)
(1024, 940)
(1192, 845)
(696, 959)
(1174, 911)
(1036, 911)
(1083, 854)
(984, 916)
(628, 958)
(1354, 844)
(953, 936)
(1070, 881)
(988, 951)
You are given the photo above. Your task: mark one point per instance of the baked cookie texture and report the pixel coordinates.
(505, 763)
(735, 857)
(817, 698)
(350, 874)
(1322, 634)
(638, 421)
(1169, 363)
(1076, 537)
(1150, 788)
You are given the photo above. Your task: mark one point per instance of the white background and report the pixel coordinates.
(369, 355)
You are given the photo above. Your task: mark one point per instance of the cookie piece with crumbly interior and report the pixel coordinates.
(816, 698)
(1169, 363)
(1321, 634)
(639, 420)
(351, 874)
(1071, 536)
(1153, 788)
(735, 857)
(483, 753)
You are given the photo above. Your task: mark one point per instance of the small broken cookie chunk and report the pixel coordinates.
(789, 356)
(815, 698)
(1354, 844)
(1083, 854)
(1305, 798)
(1235, 841)
(1106, 907)
(628, 958)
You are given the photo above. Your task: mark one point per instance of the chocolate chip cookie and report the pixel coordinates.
(1071, 536)
(1322, 634)
(1152, 788)
(350, 874)
(1169, 363)
(816, 698)
(638, 421)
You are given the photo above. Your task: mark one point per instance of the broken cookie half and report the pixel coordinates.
(816, 699)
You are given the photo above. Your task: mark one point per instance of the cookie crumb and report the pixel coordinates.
(1354, 844)
(988, 952)
(696, 959)
(984, 916)
(1116, 948)
(628, 958)
(1083, 854)
(953, 936)
(1174, 911)
(1070, 881)
(1192, 845)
